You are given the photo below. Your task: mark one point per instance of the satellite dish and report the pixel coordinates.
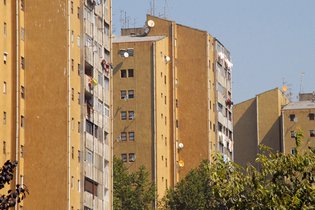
(126, 54)
(151, 23)
(180, 146)
(181, 163)
(167, 59)
(284, 88)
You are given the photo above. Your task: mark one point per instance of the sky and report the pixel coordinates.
(272, 42)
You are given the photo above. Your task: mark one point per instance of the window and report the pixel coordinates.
(123, 136)
(22, 5)
(131, 94)
(165, 79)
(22, 121)
(165, 162)
(132, 157)
(4, 118)
(5, 2)
(22, 34)
(71, 7)
(22, 92)
(123, 73)
(292, 117)
(72, 64)
(123, 115)
(4, 87)
(164, 99)
(177, 124)
(123, 94)
(79, 100)
(131, 136)
(292, 134)
(312, 133)
(311, 116)
(79, 127)
(72, 152)
(79, 155)
(79, 185)
(130, 72)
(90, 186)
(78, 69)
(131, 115)
(22, 62)
(22, 151)
(124, 157)
(5, 28)
(4, 148)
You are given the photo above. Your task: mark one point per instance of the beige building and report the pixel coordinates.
(175, 109)
(299, 116)
(56, 100)
(258, 121)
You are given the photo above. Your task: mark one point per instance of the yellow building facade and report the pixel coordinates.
(182, 99)
(56, 101)
(299, 116)
(258, 121)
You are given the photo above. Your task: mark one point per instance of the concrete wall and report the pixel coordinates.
(46, 110)
(245, 132)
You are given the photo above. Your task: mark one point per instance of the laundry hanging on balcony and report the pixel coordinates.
(105, 65)
(92, 82)
(228, 102)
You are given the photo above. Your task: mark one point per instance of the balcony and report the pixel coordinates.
(88, 28)
(89, 141)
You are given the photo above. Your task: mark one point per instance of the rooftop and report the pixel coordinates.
(300, 105)
(120, 39)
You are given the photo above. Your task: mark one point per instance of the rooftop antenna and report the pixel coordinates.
(301, 81)
(153, 7)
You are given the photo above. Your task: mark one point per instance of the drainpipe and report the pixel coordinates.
(69, 108)
(154, 123)
(174, 102)
(17, 129)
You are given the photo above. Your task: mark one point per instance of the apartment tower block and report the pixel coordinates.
(175, 109)
(56, 101)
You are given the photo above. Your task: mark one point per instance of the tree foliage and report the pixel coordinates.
(132, 191)
(13, 196)
(280, 182)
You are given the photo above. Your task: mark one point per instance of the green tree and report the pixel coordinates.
(132, 191)
(12, 197)
(280, 182)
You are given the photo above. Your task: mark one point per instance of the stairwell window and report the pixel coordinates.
(4, 87)
(4, 148)
(22, 5)
(22, 62)
(311, 116)
(4, 118)
(22, 92)
(312, 133)
(22, 121)
(292, 133)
